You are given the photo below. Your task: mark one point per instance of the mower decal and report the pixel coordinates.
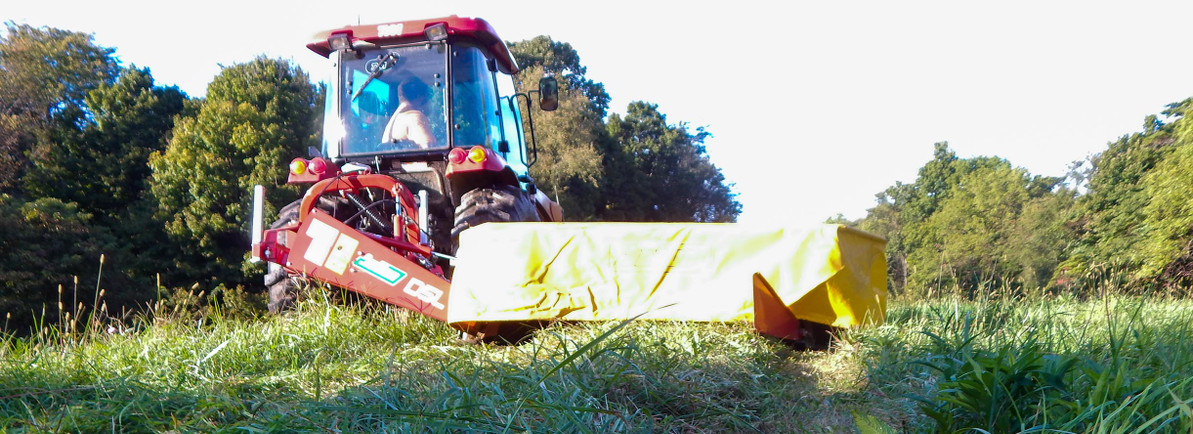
(424, 292)
(389, 30)
(323, 238)
(379, 269)
(341, 254)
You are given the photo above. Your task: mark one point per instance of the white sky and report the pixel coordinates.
(814, 106)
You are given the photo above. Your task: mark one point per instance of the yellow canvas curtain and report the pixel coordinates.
(828, 274)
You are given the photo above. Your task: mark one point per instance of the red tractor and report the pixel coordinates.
(423, 138)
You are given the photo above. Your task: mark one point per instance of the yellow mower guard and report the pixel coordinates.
(829, 274)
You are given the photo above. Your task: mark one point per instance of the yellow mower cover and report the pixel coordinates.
(829, 274)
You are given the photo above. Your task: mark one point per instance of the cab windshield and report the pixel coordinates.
(399, 100)
(394, 100)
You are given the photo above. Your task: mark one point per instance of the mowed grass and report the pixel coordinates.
(1111, 365)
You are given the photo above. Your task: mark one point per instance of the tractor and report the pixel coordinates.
(421, 198)
(423, 138)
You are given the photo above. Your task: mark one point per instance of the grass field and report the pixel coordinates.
(1112, 364)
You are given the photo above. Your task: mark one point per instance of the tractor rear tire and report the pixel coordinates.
(282, 289)
(502, 203)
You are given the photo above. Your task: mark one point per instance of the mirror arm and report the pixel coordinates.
(534, 147)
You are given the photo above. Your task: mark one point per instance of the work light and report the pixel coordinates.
(339, 41)
(436, 32)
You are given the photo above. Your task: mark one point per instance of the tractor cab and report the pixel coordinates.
(422, 123)
(415, 90)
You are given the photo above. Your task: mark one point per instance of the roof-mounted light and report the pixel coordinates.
(436, 32)
(339, 41)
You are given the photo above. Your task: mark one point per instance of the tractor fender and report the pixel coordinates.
(476, 167)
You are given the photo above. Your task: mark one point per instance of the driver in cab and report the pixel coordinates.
(410, 123)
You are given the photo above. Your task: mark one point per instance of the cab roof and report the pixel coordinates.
(458, 28)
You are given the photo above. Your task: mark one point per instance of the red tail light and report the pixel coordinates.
(318, 166)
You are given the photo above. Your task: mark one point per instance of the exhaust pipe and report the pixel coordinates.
(258, 220)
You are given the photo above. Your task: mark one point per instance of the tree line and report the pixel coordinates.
(1121, 219)
(113, 182)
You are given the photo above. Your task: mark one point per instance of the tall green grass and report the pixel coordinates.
(201, 362)
(1115, 364)
(363, 367)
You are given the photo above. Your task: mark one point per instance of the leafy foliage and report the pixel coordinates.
(45, 245)
(635, 167)
(1136, 215)
(660, 172)
(972, 224)
(978, 224)
(1168, 216)
(1040, 237)
(76, 131)
(569, 164)
(256, 117)
(560, 59)
(45, 74)
(30, 55)
(103, 167)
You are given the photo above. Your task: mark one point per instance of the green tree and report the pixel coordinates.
(971, 229)
(569, 163)
(972, 223)
(1039, 239)
(1167, 219)
(569, 140)
(1120, 214)
(104, 167)
(656, 171)
(257, 116)
(887, 220)
(560, 59)
(840, 219)
(45, 244)
(903, 210)
(934, 182)
(635, 167)
(45, 74)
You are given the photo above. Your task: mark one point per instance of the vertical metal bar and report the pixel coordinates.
(422, 216)
(258, 219)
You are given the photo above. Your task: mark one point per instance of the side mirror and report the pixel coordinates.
(548, 93)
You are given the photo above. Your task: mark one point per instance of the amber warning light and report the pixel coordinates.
(477, 154)
(298, 166)
(313, 170)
